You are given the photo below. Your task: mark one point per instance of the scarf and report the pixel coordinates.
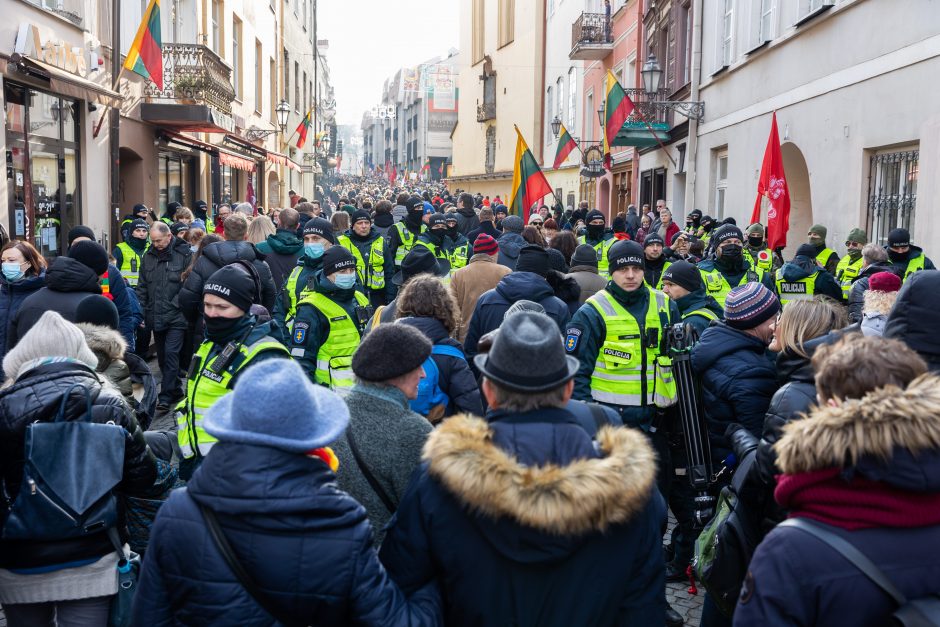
(834, 497)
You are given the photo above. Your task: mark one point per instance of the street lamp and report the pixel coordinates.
(652, 83)
(601, 117)
(652, 76)
(283, 112)
(326, 141)
(556, 126)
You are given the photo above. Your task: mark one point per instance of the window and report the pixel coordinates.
(560, 97)
(236, 56)
(507, 22)
(478, 31)
(216, 27)
(549, 113)
(306, 94)
(490, 149)
(768, 9)
(892, 192)
(685, 54)
(286, 75)
(629, 74)
(721, 183)
(572, 97)
(726, 23)
(259, 79)
(589, 117)
(296, 86)
(810, 8)
(71, 10)
(272, 80)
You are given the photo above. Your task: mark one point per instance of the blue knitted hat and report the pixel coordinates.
(748, 305)
(274, 404)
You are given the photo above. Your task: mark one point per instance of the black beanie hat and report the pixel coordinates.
(178, 227)
(653, 238)
(584, 255)
(594, 214)
(321, 227)
(233, 284)
(685, 275)
(99, 311)
(390, 351)
(436, 219)
(137, 224)
(898, 238)
(625, 253)
(139, 208)
(90, 254)
(80, 231)
(337, 258)
(807, 250)
(533, 259)
(360, 215)
(726, 232)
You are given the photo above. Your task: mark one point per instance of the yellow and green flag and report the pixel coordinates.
(529, 185)
(617, 108)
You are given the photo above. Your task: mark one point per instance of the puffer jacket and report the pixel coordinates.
(913, 317)
(214, 257)
(281, 251)
(109, 347)
(510, 244)
(159, 286)
(802, 267)
(738, 381)
(68, 282)
(307, 545)
(456, 379)
(860, 286)
(12, 296)
(36, 396)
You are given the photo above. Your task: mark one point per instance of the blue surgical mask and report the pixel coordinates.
(314, 251)
(12, 271)
(194, 248)
(345, 281)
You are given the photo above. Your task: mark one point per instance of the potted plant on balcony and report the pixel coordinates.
(186, 87)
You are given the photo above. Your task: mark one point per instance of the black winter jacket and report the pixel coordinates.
(214, 257)
(913, 317)
(803, 267)
(566, 288)
(487, 227)
(467, 220)
(12, 297)
(456, 378)
(281, 251)
(159, 286)
(68, 282)
(35, 396)
(860, 286)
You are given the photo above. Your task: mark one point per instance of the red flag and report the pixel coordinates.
(773, 185)
(393, 176)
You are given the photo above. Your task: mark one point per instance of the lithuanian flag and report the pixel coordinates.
(146, 56)
(565, 145)
(302, 129)
(528, 183)
(617, 108)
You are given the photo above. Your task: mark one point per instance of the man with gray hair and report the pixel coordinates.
(536, 506)
(245, 209)
(874, 260)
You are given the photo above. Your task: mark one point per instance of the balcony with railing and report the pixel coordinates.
(635, 131)
(591, 37)
(486, 111)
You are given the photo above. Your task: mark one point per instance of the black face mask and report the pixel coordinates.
(138, 242)
(436, 236)
(731, 253)
(755, 242)
(414, 217)
(898, 257)
(595, 231)
(452, 232)
(219, 328)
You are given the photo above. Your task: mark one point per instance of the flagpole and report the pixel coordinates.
(655, 136)
(117, 81)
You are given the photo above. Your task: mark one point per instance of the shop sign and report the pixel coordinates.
(55, 52)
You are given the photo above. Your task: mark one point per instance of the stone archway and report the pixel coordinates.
(801, 200)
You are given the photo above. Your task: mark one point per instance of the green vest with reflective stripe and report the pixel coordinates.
(824, 255)
(334, 359)
(440, 253)
(130, 263)
(796, 290)
(601, 248)
(847, 272)
(205, 387)
(371, 274)
(659, 283)
(407, 239)
(627, 371)
(708, 314)
(458, 256)
(915, 264)
(763, 260)
(717, 286)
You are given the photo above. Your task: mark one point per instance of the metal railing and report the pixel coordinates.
(650, 111)
(591, 28)
(892, 193)
(486, 111)
(195, 73)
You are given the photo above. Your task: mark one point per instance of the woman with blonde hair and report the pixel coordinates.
(426, 304)
(878, 300)
(259, 229)
(340, 222)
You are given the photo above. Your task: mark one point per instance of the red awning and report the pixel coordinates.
(226, 158)
(281, 159)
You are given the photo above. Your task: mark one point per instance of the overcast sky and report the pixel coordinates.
(371, 39)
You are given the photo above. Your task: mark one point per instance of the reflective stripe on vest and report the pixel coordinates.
(626, 371)
(846, 273)
(458, 256)
(206, 388)
(407, 239)
(334, 359)
(796, 290)
(440, 253)
(372, 276)
(914, 265)
(824, 254)
(130, 263)
(763, 260)
(601, 249)
(708, 314)
(659, 283)
(717, 286)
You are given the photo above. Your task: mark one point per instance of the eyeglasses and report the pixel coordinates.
(535, 223)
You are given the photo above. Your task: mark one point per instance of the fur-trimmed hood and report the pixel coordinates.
(892, 433)
(104, 341)
(585, 496)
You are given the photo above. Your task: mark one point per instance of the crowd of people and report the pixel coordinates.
(406, 406)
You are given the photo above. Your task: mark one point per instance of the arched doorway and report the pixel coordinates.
(274, 191)
(603, 197)
(801, 200)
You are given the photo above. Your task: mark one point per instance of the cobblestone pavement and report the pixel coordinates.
(677, 594)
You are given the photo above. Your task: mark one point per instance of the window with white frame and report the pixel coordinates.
(589, 117)
(721, 182)
(806, 7)
(892, 191)
(767, 13)
(629, 74)
(549, 111)
(572, 97)
(726, 30)
(560, 97)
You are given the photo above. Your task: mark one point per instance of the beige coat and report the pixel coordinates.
(589, 280)
(469, 283)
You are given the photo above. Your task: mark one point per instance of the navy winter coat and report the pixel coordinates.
(456, 379)
(214, 257)
(492, 306)
(738, 381)
(12, 296)
(511, 543)
(803, 267)
(510, 244)
(913, 317)
(307, 545)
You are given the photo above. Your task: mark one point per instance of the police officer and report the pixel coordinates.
(708, 225)
(599, 238)
(318, 238)
(235, 339)
(656, 262)
(435, 238)
(905, 258)
(328, 325)
(404, 234)
(729, 269)
(803, 278)
(129, 254)
(459, 245)
(827, 258)
(682, 283)
(693, 221)
(756, 252)
(139, 212)
(374, 264)
(851, 265)
(618, 335)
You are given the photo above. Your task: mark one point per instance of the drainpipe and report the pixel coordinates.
(692, 149)
(540, 84)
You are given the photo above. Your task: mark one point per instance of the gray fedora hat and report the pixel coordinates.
(528, 355)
